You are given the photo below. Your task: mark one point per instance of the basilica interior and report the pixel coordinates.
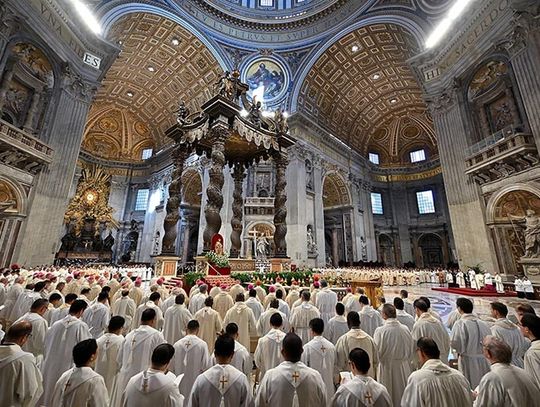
(409, 135)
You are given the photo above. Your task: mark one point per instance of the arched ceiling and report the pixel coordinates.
(335, 191)
(362, 90)
(160, 64)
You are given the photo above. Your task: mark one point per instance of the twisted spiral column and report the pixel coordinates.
(214, 191)
(179, 156)
(238, 210)
(280, 209)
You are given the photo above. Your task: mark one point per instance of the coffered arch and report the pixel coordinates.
(160, 64)
(362, 90)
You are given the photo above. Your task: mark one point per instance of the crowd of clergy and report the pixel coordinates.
(116, 342)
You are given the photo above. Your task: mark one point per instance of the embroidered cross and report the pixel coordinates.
(107, 343)
(133, 342)
(368, 397)
(188, 344)
(68, 385)
(145, 385)
(323, 349)
(223, 382)
(295, 376)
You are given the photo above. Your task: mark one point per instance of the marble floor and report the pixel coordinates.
(445, 303)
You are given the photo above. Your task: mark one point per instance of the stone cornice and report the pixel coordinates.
(483, 24)
(412, 176)
(270, 25)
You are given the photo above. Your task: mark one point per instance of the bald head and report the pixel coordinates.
(18, 333)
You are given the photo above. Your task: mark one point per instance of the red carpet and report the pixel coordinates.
(475, 293)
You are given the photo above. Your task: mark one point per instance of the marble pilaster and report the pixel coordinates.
(43, 227)
(296, 211)
(473, 245)
(318, 223)
(525, 60)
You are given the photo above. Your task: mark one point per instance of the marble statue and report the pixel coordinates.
(532, 233)
(363, 248)
(156, 242)
(182, 112)
(262, 246)
(224, 86)
(311, 244)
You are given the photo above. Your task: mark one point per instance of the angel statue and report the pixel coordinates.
(281, 121)
(224, 85)
(182, 112)
(255, 114)
(532, 233)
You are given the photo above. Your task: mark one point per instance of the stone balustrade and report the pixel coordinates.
(505, 153)
(21, 150)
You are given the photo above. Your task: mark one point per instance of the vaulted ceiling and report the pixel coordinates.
(362, 90)
(160, 64)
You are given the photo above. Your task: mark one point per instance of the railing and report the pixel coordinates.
(507, 146)
(23, 141)
(493, 139)
(257, 201)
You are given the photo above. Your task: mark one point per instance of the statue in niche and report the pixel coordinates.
(311, 244)
(532, 233)
(182, 112)
(309, 175)
(363, 248)
(157, 239)
(262, 246)
(503, 116)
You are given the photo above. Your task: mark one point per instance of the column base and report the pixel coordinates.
(166, 266)
(280, 264)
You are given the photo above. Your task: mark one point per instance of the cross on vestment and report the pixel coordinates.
(368, 397)
(223, 381)
(133, 342)
(295, 376)
(188, 344)
(323, 349)
(67, 386)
